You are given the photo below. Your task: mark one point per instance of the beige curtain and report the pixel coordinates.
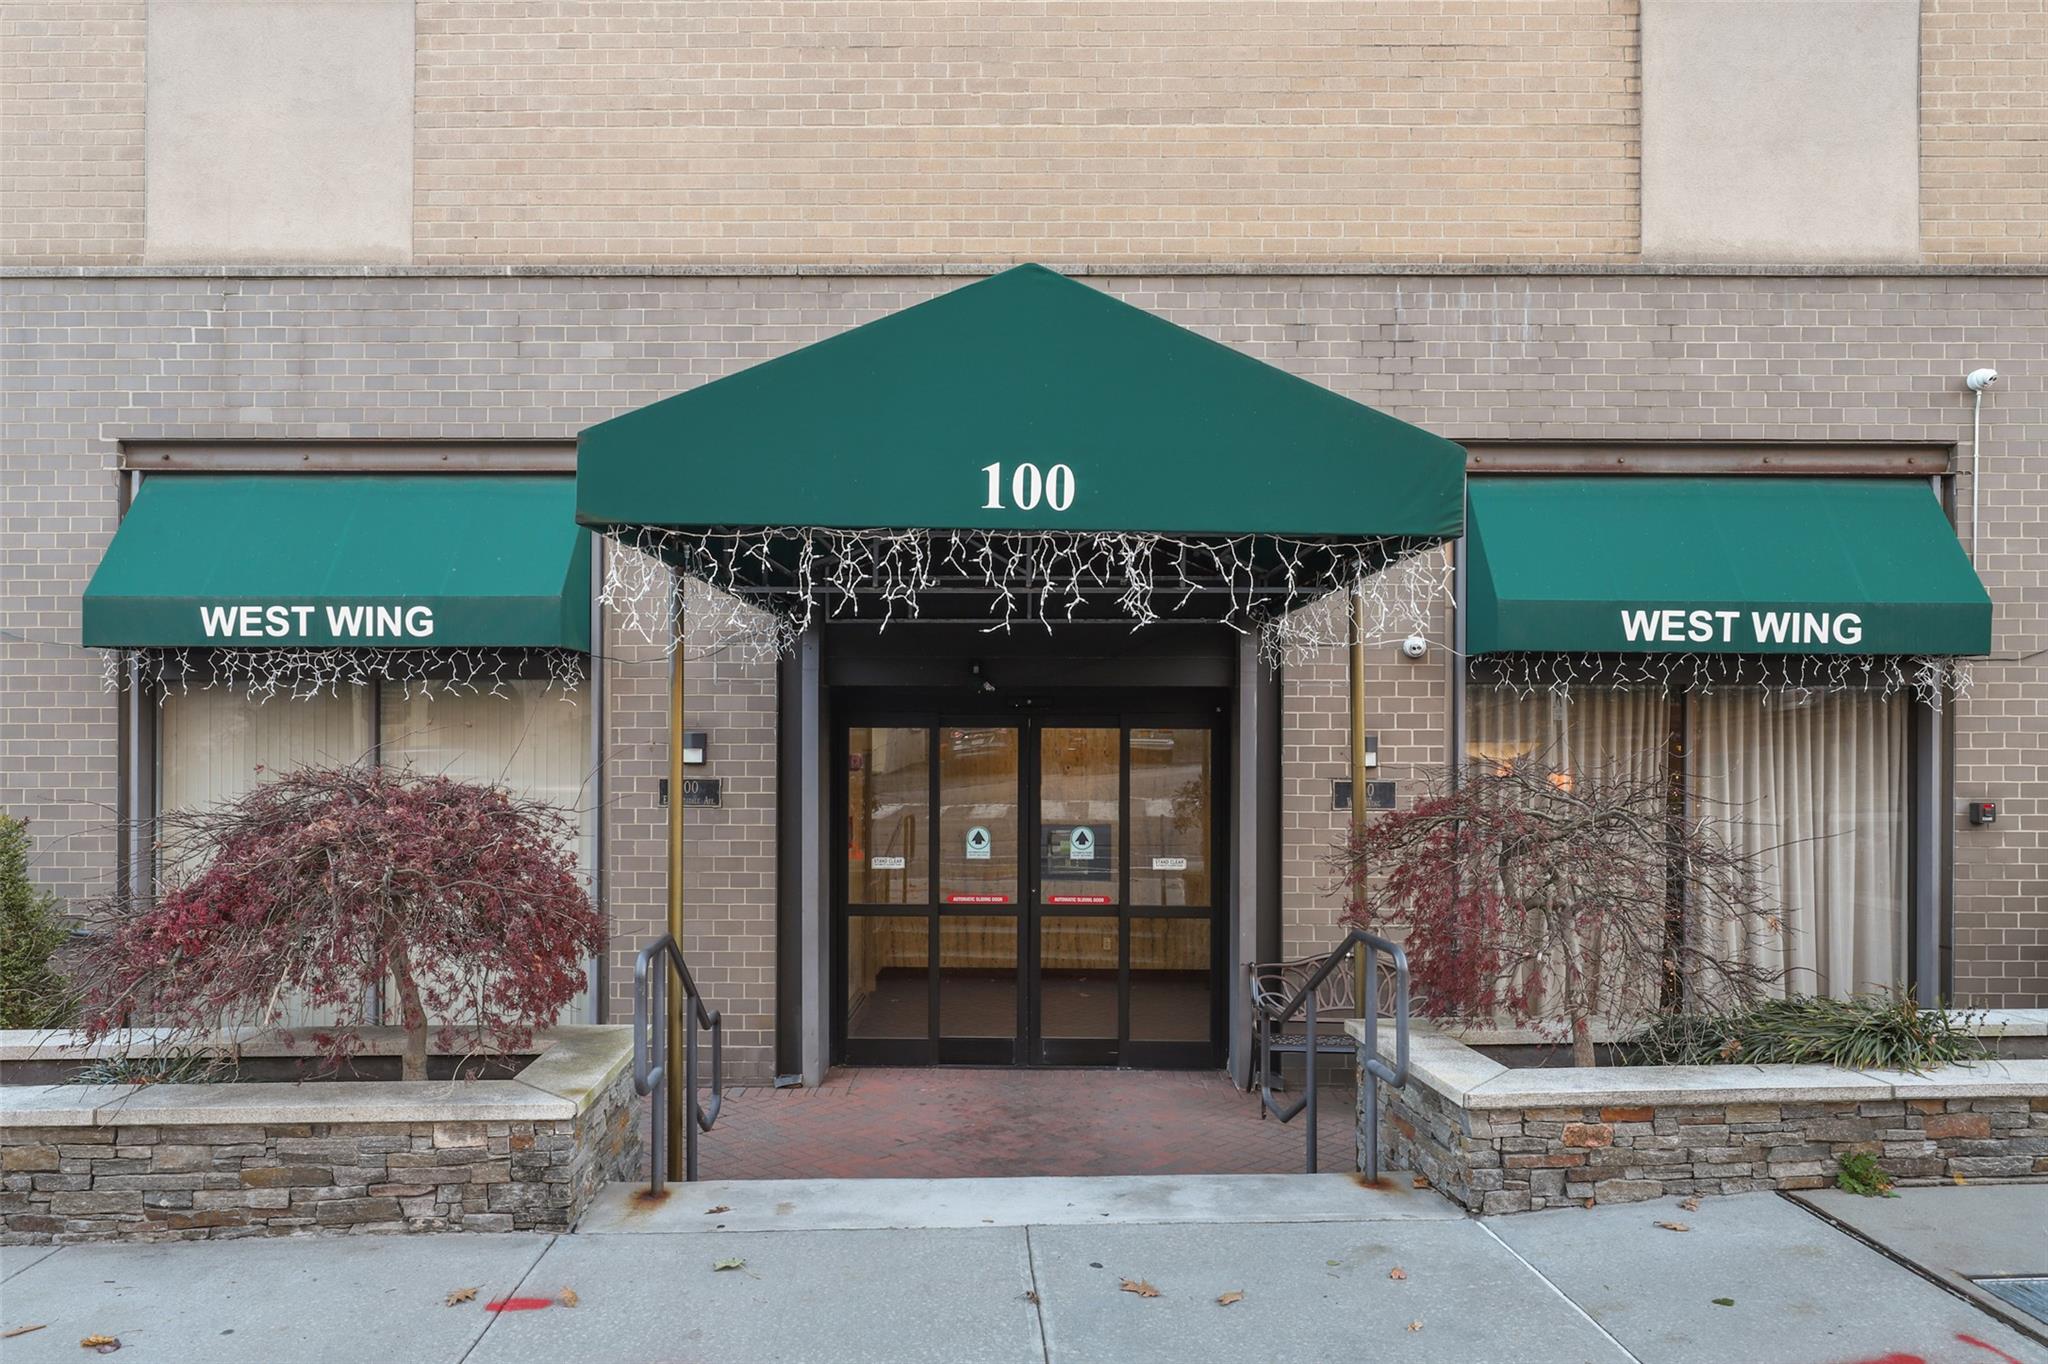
(1590, 728)
(215, 744)
(1818, 789)
(527, 738)
(1626, 730)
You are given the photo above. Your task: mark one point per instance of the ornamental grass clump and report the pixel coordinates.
(1878, 1030)
(314, 891)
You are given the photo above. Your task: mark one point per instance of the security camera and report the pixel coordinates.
(1415, 646)
(1980, 379)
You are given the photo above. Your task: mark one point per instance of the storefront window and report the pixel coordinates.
(215, 744)
(1815, 786)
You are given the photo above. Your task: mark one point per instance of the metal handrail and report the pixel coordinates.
(650, 1053)
(1305, 998)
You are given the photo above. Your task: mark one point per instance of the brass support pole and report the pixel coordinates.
(1359, 771)
(679, 1100)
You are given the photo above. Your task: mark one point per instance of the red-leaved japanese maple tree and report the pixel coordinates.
(1536, 893)
(316, 888)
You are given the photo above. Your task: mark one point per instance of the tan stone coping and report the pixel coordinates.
(1470, 1079)
(573, 1066)
(1982, 1022)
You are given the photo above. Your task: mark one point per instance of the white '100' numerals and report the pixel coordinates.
(1055, 487)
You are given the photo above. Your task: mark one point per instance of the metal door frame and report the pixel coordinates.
(1030, 715)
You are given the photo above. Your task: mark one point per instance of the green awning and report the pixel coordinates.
(282, 560)
(1718, 565)
(1026, 401)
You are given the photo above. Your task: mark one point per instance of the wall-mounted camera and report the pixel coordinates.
(1415, 646)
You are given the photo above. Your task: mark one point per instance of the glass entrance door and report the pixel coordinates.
(1029, 892)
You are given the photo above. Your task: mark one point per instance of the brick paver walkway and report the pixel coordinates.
(872, 1122)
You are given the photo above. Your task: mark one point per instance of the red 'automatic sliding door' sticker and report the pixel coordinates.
(1078, 900)
(977, 899)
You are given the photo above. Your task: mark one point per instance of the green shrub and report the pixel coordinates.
(32, 995)
(1859, 1173)
(1878, 1031)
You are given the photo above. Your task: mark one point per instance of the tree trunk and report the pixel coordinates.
(1577, 1002)
(412, 1014)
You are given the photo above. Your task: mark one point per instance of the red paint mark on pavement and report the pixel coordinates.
(1893, 1359)
(1986, 1346)
(518, 1304)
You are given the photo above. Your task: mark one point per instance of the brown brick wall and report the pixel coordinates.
(1580, 358)
(71, 115)
(1984, 130)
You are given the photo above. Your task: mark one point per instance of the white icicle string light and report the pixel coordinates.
(1789, 678)
(302, 674)
(1029, 578)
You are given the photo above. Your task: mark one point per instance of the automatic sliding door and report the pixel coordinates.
(980, 838)
(1173, 923)
(1079, 892)
(886, 954)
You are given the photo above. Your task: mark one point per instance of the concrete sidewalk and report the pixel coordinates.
(1030, 1270)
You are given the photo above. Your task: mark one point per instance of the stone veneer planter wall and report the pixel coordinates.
(184, 1162)
(1501, 1140)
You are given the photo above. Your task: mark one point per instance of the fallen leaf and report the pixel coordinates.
(1415, 1326)
(22, 1330)
(1333, 1262)
(95, 1342)
(1959, 1179)
(1691, 1205)
(712, 1212)
(1724, 1302)
(1674, 1226)
(1419, 1182)
(728, 1264)
(1225, 1299)
(1589, 1203)
(1140, 1287)
(1397, 1273)
(1031, 1296)
(461, 1295)
(567, 1297)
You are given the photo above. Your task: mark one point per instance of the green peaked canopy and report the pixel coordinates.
(1026, 401)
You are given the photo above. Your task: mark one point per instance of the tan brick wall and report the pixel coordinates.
(71, 115)
(1586, 358)
(1069, 130)
(728, 851)
(1984, 131)
(1408, 709)
(783, 132)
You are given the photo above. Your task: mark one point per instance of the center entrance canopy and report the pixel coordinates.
(1020, 407)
